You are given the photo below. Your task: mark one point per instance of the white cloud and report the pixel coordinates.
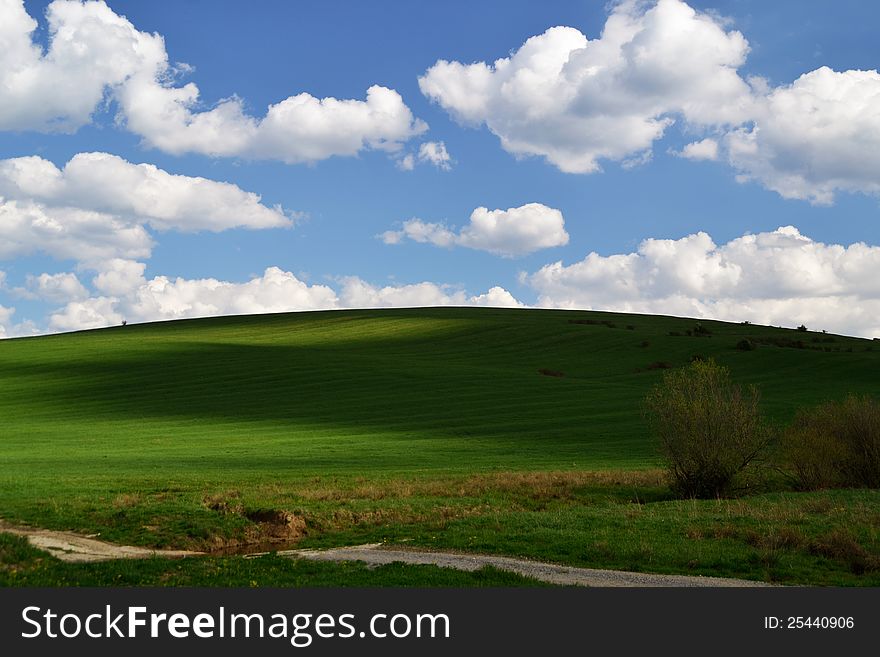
(10, 330)
(814, 137)
(496, 297)
(357, 293)
(421, 231)
(301, 128)
(94, 53)
(100, 182)
(434, 152)
(138, 299)
(407, 162)
(577, 101)
(705, 149)
(5, 318)
(429, 152)
(59, 288)
(65, 233)
(96, 312)
(98, 206)
(118, 277)
(126, 295)
(509, 233)
(90, 49)
(780, 278)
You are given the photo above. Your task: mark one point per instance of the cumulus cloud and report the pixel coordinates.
(815, 137)
(137, 299)
(118, 277)
(96, 312)
(101, 182)
(90, 50)
(496, 297)
(66, 233)
(357, 293)
(10, 330)
(59, 288)
(434, 152)
(577, 101)
(512, 232)
(5, 318)
(95, 54)
(98, 206)
(780, 278)
(429, 152)
(127, 295)
(705, 149)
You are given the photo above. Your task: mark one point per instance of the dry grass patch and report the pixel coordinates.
(532, 484)
(127, 500)
(841, 545)
(226, 502)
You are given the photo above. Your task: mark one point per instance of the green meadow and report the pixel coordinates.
(516, 432)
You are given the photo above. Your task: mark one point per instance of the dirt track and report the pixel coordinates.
(375, 554)
(76, 548)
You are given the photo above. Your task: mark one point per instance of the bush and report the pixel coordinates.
(746, 345)
(834, 444)
(709, 431)
(811, 456)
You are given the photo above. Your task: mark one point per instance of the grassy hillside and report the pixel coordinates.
(178, 433)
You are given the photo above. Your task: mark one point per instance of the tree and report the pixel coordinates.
(709, 430)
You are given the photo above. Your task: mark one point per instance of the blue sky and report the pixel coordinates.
(584, 155)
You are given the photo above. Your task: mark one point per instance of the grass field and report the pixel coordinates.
(510, 431)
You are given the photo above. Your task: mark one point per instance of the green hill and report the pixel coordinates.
(143, 432)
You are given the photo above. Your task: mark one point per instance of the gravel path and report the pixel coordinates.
(376, 554)
(76, 548)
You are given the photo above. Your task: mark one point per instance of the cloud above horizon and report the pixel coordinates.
(778, 278)
(578, 102)
(508, 233)
(98, 206)
(136, 299)
(95, 54)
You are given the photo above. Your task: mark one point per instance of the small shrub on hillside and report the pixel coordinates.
(811, 455)
(709, 430)
(802, 328)
(834, 444)
(746, 345)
